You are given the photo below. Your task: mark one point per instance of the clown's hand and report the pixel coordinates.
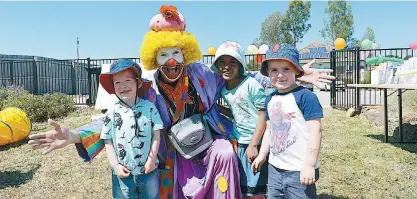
(313, 76)
(54, 139)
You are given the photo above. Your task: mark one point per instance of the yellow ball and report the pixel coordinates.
(18, 124)
(5, 133)
(339, 43)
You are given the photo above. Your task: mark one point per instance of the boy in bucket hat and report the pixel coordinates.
(131, 133)
(293, 135)
(245, 97)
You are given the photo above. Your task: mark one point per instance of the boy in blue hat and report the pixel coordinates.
(293, 135)
(131, 133)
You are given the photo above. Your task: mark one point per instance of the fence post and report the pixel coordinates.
(333, 84)
(11, 72)
(35, 76)
(358, 80)
(74, 78)
(90, 96)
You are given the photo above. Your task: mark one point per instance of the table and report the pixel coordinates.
(385, 87)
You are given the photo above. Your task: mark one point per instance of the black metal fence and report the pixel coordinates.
(349, 66)
(78, 78)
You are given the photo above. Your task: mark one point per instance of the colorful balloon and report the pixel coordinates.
(413, 45)
(263, 48)
(259, 58)
(339, 43)
(366, 44)
(211, 50)
(252, 50)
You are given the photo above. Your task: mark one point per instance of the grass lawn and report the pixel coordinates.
(354, 164)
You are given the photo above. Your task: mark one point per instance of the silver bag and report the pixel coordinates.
(191, 136)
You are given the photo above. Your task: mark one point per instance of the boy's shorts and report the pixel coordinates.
(286, 184)
(134, 187)
(250, 184)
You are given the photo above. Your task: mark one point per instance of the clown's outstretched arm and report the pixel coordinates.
(313, 76)
(86, 139)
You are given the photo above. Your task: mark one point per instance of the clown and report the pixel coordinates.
(181, 87)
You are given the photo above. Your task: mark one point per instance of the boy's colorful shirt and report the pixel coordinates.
(288, 113)
(132, 140)
(245, 101)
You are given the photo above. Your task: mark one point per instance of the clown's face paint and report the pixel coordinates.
(171, 62)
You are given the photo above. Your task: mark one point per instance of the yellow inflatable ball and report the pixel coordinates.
(14, 125)
(5, 133)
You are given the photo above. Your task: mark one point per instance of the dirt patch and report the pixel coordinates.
(376, 115)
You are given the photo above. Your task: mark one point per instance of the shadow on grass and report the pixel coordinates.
(14, 145)
(16, 178)
(410, 147)
(327, 196)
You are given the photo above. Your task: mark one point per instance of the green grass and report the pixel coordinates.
(354, 164)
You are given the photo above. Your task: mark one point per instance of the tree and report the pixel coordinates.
(272, 32)
(369, 34)
(295, 20)
(353, 42)
(339, 22)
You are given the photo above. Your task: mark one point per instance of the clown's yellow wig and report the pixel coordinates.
(155, 41)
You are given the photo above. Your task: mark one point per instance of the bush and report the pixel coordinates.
(38, 107)
(367, 79)
(12, 92)
(347, 80)
(409, 100)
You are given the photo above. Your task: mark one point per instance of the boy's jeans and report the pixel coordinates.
(286, 184)
(134, 187)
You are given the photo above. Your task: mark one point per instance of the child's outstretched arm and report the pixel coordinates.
(263, 152)
(153, 153)
(307, 176)
(120, 170)
(252, 150)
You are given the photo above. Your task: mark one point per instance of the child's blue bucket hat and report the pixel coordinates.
(284, 52)
(106, 79)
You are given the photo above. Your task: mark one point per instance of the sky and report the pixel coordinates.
(116, 29)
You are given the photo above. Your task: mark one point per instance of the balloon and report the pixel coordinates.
(259, 58)
(366, 44)
(339, 43)
(375, 46)
(413, 46)
(252, 50)
(211, 50)
(263, 48)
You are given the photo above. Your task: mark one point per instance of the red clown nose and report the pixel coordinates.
(172, 62)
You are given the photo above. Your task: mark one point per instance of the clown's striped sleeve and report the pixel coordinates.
(91, 144)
